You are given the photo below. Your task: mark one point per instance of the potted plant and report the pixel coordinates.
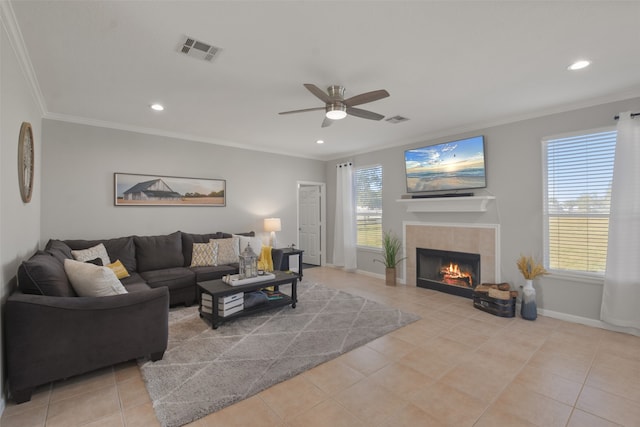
(391, 246)
(530, 269)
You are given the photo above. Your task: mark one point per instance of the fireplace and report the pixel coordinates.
(457, 273)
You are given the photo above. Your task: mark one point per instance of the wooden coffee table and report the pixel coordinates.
(218, 289)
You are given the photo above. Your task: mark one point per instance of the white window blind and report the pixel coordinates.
(578, 177)
(368, 181)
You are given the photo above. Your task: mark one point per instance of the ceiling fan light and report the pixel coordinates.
(336, 111)
(579, 65)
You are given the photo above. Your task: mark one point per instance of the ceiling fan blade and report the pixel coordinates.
(364, 114)
(318, 92)
(303, 110)
(327, 122)
(363, 98)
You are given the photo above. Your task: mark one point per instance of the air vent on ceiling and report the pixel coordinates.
(396, 119)
(198, 49)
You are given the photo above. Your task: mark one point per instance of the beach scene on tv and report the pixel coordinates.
(450, 166)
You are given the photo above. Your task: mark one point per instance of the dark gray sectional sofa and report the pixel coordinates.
(51, 333)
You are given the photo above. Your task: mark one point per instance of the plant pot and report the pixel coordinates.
(390, 278)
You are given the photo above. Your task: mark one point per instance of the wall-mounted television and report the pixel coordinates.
(449, 166)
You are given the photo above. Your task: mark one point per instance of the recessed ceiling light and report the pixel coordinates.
(157, 107)
(319, 141)
(579, 65)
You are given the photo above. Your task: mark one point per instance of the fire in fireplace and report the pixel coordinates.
(456, 273)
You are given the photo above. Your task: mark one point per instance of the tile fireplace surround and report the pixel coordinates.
(483, 239)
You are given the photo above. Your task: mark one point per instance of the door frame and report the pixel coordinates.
(323, 215)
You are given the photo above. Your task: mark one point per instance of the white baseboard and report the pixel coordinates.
(399, 280)
(370, 274)
(587, 321)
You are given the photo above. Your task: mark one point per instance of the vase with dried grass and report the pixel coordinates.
(530, 269)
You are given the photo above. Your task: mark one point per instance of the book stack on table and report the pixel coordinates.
(227, 305)
(273, 295)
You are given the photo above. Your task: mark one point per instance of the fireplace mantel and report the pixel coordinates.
(448, 204)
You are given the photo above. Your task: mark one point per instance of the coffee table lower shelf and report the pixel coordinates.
(218, 289)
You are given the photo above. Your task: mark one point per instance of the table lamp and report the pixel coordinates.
(272, 225)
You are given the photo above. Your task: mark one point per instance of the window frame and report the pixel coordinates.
(579, 275)
(356, 170)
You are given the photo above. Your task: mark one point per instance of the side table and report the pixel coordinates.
(288, 253)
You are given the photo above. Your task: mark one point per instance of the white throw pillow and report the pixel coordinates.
(255, 242)
(90, 280)
(227, 251)
(98, 251)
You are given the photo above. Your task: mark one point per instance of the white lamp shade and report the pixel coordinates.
(272, 224)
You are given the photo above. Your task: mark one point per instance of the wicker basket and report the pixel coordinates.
(498, 307)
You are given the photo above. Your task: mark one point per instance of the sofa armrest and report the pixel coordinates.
(50, 338)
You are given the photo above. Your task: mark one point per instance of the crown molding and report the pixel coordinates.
(12, 29)
(505, 120)
(163, 133)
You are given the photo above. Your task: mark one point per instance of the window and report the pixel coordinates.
(578, 174)
(368, 182)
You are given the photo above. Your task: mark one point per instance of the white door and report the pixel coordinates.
(310, 223)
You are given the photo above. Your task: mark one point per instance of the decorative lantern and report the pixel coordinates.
(248, 263)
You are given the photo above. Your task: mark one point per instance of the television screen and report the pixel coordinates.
(450, 166)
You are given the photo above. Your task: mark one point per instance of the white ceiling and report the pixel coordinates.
(449, 66)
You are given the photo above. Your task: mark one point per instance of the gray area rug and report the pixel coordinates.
(204, 370)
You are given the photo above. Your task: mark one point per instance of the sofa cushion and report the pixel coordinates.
(134, 282)
(137, 287)
(188, 239)
(173, 278)
(43, 274)
(90, 280)
(121, 248)
(213, 272)
(59, 249)
(159, 252)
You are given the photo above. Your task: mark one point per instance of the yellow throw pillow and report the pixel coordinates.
(119, 269)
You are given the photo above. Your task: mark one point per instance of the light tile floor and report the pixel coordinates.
(457, 366)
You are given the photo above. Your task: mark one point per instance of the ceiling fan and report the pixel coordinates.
(337, 107)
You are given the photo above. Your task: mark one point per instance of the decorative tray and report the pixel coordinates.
(234, 279)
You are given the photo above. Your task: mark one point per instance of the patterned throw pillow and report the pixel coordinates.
(202, 255)
(98, 251)
(227, 250)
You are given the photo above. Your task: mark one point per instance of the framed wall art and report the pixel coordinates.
(156, 190)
